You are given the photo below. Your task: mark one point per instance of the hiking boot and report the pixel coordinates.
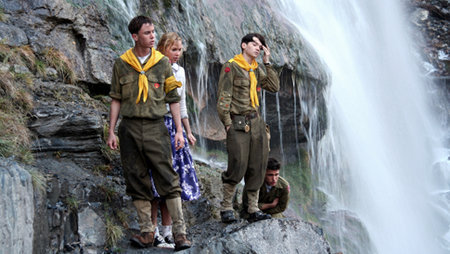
(169, 239)
(143, 240)
(160, 243)
(227, 216)
(181, 242)
(258, 215)
(243, 214)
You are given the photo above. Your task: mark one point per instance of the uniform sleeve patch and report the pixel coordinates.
(227, 69)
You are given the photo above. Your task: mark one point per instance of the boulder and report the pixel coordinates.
(268, 236)
(91, 228)
(16, 208)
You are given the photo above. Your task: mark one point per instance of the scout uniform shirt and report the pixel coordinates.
(234, 89)
(280, 190)
(124, 87)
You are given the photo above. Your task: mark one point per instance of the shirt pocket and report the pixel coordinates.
(128, 83)
(241, 90)
(156, 87)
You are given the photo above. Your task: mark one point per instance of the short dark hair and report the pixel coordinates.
(249, 37)
(273, 164)
(137, 22)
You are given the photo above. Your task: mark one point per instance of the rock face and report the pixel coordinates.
(16, 209)
(81, 33)
(92, 33)
(269, 236)
(66, 121)
(432, 19)
(70, 215)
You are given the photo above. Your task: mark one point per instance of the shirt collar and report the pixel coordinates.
(175, 67)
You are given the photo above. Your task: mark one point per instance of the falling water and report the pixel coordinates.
(201, 89)
(375, 159)
(297, 148)
(120, 12)
(280, 127)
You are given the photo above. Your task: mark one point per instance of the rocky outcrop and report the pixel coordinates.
(72, 213)
(66, 121)
(269, 236)
(432, 19)
(16, 209)
(81, 33)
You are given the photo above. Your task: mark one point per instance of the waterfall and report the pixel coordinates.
(120, 12)
(280, 127)
(374, 162)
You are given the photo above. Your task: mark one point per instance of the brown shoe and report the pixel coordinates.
(181, 242)
(144, 240)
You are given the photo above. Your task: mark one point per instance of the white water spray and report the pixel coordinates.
(375, 158)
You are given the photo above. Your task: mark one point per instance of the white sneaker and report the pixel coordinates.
(169, 239)
(160, 243)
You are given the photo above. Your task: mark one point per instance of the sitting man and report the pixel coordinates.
(274, 193)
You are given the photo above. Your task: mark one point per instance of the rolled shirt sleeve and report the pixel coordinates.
(225, 92)
(116, 91)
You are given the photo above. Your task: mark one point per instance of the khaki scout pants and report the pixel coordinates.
(247, 157)
(145, 145)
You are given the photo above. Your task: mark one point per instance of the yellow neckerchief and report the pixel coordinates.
(240, 60)
(130, 58)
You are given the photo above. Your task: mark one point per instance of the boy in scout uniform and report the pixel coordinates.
(240, 83)
(274, 193)
(141, 85)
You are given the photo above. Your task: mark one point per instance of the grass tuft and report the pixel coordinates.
(15, 136)
(40, 68)
(102, 169)
(113, 233)
(72, 203)
(25, 78)
(109, 192)
(2, 15)
(122, 217)
(39, 180)
(57, 60)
